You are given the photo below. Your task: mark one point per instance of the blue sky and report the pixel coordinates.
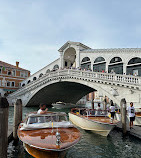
(31, 31)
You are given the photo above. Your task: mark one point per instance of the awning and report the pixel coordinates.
(10, 90)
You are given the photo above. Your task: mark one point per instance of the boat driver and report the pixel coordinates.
(42, 109)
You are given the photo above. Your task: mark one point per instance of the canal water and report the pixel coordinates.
(90, 145)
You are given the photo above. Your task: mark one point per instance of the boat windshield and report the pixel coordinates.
(45, 119)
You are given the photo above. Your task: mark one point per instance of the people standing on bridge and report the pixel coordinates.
(42, 109)
(112, 111)
(131, 113)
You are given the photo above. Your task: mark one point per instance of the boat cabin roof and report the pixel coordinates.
(47, 114)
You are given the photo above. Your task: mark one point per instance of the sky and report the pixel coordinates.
(32, 31)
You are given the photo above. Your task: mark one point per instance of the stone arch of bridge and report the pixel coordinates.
(70, 90)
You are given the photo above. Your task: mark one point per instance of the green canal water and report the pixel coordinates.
(90, 145)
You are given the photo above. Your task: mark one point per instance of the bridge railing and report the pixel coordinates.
(107, 76)
(125, 79)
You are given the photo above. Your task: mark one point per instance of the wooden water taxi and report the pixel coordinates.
(48, 135)
(96, 121)
(137, 121)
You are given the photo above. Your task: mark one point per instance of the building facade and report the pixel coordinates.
(11, 77)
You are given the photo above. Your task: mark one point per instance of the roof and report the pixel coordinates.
(111, 50)
(73, 43)
(6, 65)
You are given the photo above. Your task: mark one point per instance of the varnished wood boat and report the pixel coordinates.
(137, 121)
(89, 120)
(48, 135)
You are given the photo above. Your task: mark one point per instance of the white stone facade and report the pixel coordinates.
(74, 52)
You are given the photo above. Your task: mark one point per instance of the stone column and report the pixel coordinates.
(124, 68)
(77, 58)
(61, 60)
(106, 69)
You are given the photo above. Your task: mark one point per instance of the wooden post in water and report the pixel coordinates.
(92, 100)
(17, 118)
(123, 115)
(4, 111)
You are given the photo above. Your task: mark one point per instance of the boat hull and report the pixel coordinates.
(94, 126)
(42, 153)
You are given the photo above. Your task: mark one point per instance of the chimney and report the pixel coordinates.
(17, 64)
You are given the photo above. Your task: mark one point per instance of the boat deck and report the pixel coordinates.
(102, 119)
(138, 114)
(46, 138)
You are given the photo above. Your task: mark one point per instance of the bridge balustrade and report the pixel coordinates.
(123, 79)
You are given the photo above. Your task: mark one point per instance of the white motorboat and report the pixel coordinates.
(137, 121)
(93, 120)
(62, 105)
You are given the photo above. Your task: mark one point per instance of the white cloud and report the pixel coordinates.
(32, 31)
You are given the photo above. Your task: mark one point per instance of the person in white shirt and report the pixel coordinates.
(42, 109)
(112, 111)
(131, 113)
(98, 109)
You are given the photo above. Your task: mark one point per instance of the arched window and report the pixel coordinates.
(9, 72)
(115, 60)
(86, 63)
(56, 67)
(99, 65)
(34, 78)
(115, 65)
(99, 59)
(135, 60)
(40, 75)
(28, 81)
(134, 66)
(48, 71)
(86, 59)
(23, 85)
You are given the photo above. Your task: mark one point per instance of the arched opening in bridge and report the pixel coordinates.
(40, 75)
(116, 65)
(56, 67)
(48, 71)
(68, 92)
(134, 67)
(99, 64)
(28, 81)
(86, 63)
(34, 78)
(69, 58)
(23, 85)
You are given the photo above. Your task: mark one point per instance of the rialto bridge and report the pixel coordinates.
(81, 70)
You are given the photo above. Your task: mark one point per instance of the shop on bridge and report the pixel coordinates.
(116, 65)
(86, 63)
(99, 64)
(134, 67)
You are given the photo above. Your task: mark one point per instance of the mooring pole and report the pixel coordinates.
(17, 118)
(4, 111)
(92, 101)
(123, 115)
